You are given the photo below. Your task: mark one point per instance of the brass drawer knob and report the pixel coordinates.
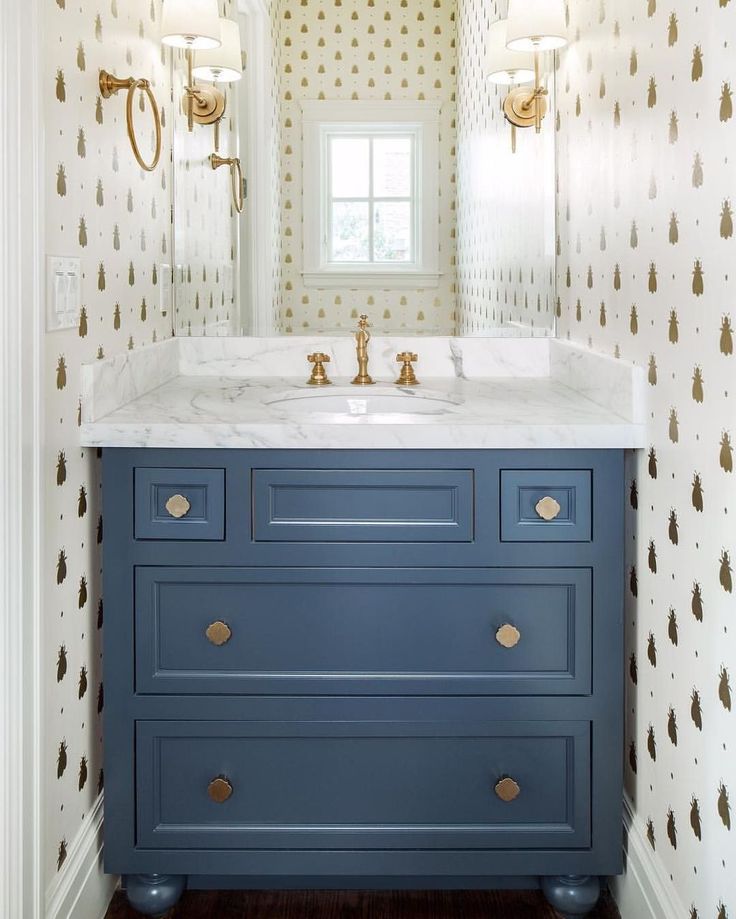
(218, 633)
(507, 789)
(219, 789)
(178, 506)
(508, 636)
(547, 508)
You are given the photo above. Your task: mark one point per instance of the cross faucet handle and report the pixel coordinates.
(319, 375)
(407, 377)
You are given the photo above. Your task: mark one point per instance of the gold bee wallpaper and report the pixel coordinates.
(206, 225)
(370, 50)
(505, 194)
(102, 208)
(646, 271)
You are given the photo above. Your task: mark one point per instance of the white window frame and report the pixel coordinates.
(420, 120)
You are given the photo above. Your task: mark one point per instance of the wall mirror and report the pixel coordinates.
(380, 172)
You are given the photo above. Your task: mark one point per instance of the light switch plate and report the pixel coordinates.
(63, 292)
(165, 288)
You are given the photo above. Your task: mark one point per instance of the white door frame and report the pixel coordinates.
(21, 340)
(256, 147)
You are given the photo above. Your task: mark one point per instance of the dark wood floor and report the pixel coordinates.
(309, 904)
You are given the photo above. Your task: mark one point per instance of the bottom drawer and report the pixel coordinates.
(363, 785)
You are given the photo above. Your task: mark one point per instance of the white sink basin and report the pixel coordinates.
(368, 401)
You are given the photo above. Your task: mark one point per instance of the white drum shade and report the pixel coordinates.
(504, 66)
(536, 25)
(191, 24)
(223, 64)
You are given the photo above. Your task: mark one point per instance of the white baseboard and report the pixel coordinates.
(645, 890)
(81, 890)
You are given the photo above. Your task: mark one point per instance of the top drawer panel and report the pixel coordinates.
(540, 505)
(361, 505)
(179, 503)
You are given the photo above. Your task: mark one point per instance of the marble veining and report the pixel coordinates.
(252, 393)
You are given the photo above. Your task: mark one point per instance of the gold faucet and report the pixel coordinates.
(362, 337)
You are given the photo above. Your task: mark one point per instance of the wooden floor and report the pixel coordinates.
(309, 904)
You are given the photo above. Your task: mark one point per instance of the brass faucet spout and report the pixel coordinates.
(362, 337)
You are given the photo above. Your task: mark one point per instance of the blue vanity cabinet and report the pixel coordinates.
(363, 669)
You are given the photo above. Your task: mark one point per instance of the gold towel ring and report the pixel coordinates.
(110, 86)
(236, 177)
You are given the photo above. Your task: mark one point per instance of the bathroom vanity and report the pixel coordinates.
(396, 664)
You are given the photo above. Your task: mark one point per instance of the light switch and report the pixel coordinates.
(165, 288)
(63, 292)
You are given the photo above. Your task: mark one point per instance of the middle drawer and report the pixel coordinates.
(363, 631)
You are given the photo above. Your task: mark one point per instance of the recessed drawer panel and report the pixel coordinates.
(383, 505)
(179, 503)
(539, 505)
(363, 785)
(363, 631)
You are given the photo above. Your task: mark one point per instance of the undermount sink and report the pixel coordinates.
(367, 402)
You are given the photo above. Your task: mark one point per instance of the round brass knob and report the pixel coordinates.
(219, 789)
(507, 789)
(508, 636)
(547, 508)
(218, 632)
(178, 506)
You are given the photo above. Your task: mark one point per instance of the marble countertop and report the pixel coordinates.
(199, 410)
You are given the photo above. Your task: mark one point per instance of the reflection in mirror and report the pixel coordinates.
(382, 177)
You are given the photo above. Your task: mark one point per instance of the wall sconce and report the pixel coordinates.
(195, 26)
(223, 64)
(532, 26)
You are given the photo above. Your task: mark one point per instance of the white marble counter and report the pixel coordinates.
(492, 394)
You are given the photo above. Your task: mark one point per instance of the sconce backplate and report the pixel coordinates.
(513, 107)
(208, 104)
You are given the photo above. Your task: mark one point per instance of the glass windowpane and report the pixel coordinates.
(350, 231)
(392, 167)
(350, 167)
(392, 231)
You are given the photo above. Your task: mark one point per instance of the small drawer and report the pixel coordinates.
(361, 505)
(245, 631)
(179, 503)
(539, 505)
(348, 785)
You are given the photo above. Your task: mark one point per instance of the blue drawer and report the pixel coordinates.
(362, 785)
(373, 631)
(362, 505)
(541, 505)
(179, 503)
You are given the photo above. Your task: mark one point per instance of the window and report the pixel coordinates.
(370, 194)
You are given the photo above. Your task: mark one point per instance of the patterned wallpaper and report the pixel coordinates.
(505, 199)
(364, 49)
(100, 207)
(647, 187)
(206, 229)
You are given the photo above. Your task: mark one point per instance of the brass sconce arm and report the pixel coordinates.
(203, 104)
(525, 107)
(236, 177)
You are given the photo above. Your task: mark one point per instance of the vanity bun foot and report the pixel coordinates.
(572, 895)
(154, 894)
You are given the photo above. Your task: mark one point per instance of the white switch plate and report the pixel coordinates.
(63, 292)
(165, 288)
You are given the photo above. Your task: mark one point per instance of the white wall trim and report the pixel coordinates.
(82, 890)
(256, 144)
(645, 890)
(21, 222)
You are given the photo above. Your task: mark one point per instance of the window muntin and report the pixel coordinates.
(371, 180)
